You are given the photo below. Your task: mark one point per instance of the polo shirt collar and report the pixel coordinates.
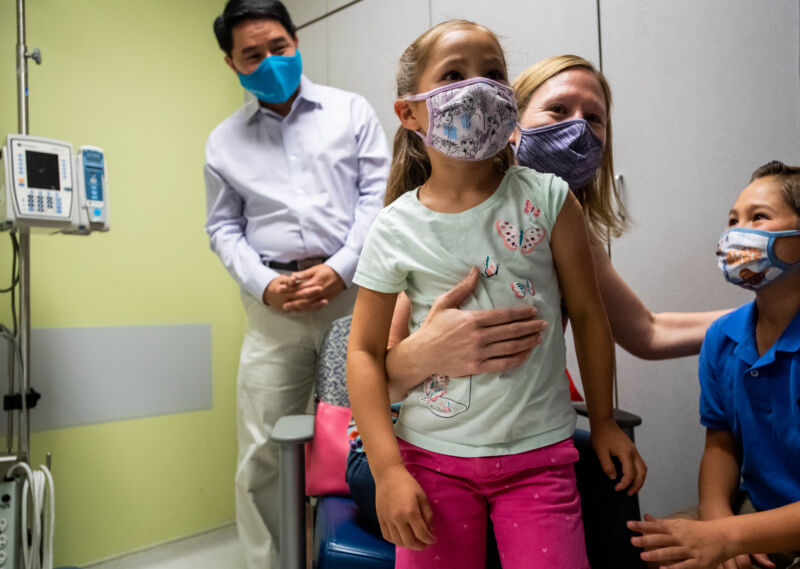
(740, 324)
(308, 92)
(790, 339)
(741, 328)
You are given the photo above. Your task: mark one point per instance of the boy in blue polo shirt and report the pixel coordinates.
(750, 397)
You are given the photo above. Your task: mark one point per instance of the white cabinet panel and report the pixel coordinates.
(531, 30)
(303, 11)
(313, 46)
(365, 41)
(704, 93)
(336, 4)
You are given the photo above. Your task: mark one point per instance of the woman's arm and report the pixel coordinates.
(403, 510)
(593, 343)
(457, 342)
(644, 334)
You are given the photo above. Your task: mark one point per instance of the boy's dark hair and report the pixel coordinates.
(788, 177)
(237, 11)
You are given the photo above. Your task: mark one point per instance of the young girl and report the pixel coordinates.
(750, 396)
(494, 442)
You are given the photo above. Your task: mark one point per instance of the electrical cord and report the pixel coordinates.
(14, 271)
(39, 484)
(14, 280)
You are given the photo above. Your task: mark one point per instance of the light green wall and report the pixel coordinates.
(145, 81)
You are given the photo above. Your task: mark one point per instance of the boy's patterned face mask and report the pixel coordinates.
(747, 256)
(470, 119)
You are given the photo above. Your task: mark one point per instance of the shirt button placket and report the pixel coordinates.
(293, 163)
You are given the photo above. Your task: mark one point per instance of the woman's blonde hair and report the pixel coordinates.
(411, 166)
(604, 211)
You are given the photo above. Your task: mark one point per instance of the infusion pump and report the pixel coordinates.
(46, 188)
(93, 206)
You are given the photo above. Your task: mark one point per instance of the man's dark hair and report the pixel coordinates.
(789, 179)
(237, 11)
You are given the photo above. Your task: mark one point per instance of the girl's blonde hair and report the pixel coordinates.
(410, 164)
(604, 211)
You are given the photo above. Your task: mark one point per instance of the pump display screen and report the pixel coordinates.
(94, 185)
(42, 168)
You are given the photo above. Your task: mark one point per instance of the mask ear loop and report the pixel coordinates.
(431, 121)
(773, 257)
(515, 147)
(426, 137)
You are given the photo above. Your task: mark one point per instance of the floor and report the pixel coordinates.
(217, 549)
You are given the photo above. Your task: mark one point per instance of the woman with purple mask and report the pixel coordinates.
(565, 128)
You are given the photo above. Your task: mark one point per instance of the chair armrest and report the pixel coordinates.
(290, 432)
(626, 421)
(293, 429)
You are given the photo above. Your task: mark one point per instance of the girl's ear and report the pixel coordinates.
(407, 116)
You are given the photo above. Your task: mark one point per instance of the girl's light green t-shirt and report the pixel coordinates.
(425, 253)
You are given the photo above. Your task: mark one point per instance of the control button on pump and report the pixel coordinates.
(6, 498)
(3, 524)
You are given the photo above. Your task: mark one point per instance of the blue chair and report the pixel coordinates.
(341, 539)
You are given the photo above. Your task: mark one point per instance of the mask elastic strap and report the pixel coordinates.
(773, 257)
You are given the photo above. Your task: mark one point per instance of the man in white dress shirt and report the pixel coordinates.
(294, 179)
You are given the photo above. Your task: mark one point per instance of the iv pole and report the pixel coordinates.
(24, 330)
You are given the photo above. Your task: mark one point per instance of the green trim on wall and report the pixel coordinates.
(145, 81)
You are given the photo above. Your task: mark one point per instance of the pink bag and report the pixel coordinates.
(326, 453)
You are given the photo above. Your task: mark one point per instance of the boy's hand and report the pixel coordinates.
(403, 511)
(608, 441)
(689, 544)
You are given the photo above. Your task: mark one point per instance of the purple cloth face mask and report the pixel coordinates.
(470, 119)
(568, 149)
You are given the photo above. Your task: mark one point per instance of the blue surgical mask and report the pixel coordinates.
(747, 256)
(275, 79)
(569, 149)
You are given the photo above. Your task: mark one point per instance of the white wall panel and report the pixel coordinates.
(530, 30)
(97, 375)
(364, 43)
(704, 92)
